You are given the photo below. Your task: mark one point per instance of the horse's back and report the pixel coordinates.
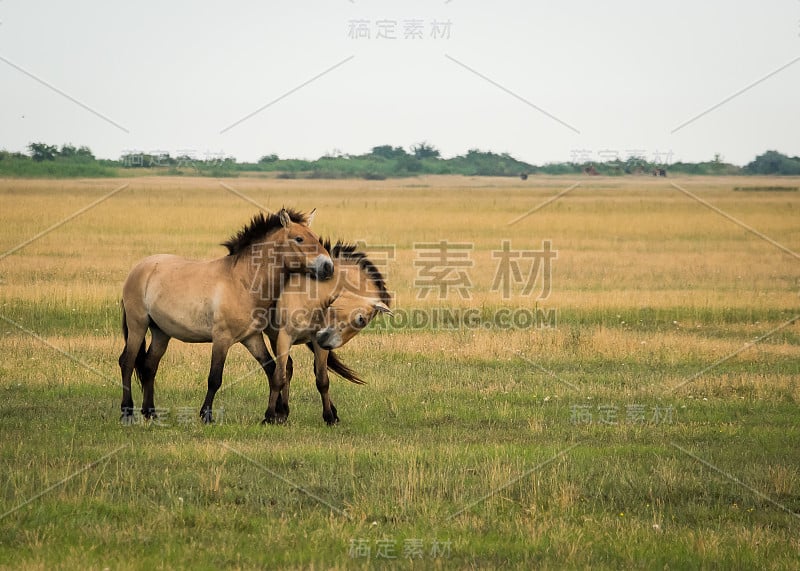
(178, 294)
(141, 273)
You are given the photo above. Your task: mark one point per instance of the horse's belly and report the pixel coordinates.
(189, 324)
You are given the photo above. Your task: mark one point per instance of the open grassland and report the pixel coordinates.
(649, 419)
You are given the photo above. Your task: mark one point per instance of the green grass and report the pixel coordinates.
(422, 441)
(90, 316)
(26, 168)
(645, 430)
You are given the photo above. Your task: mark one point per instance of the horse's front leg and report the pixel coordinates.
(149, 368)
(277, 382)
(219, 352)
(323, 384)
(282, 406)
(258, 349)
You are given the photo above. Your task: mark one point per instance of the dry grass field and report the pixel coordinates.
(648, 419)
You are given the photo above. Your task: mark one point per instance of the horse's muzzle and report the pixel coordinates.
(322, 268)
(329, 338)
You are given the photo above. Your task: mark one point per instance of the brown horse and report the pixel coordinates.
(324, 316)
(214, 301)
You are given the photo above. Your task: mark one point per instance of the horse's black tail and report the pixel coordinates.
(138, 366)
(338, 367)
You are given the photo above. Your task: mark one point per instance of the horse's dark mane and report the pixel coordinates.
(257, 229)
(348, 251)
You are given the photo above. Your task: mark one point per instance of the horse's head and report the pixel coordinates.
(345, 316)
(359, 294)
(300, 248)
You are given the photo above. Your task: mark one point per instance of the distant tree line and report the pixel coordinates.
(381, 162)
(43, 152)
(52, 161)
(386, 161)
(773, 162)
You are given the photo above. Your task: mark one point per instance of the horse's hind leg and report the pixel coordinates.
(148, 367)
(329, 414)
(219, 351)
(134, 330)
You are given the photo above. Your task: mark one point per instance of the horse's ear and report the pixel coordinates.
(381, 307)
(310, 217)
(283, 216)
(331, 300)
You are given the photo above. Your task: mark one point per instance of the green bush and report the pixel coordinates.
(773, 162)
(26, 167)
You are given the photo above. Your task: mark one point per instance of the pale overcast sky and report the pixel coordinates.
(545, 82)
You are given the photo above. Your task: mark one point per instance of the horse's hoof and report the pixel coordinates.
(206, 416)
(330, 418)
(149, 413)
(281, 408)
(127, 418)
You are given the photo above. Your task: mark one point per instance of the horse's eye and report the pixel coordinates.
(361, 321)
(298, 239)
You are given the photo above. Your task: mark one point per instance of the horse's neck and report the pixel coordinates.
(359, 282)
(262, 269)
